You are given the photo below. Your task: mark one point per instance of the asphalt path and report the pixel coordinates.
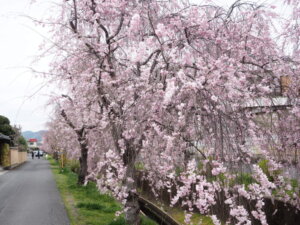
(29, 196)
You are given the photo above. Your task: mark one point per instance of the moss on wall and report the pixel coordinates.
(4, 155)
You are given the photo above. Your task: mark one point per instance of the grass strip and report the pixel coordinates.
(85, 205)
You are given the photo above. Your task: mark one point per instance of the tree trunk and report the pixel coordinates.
(133, 210)
(83, 165)
(132, 205)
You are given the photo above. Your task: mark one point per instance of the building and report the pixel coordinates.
(33, 143)
(4, 139)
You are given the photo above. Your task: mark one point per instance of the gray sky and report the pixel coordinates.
(22, 99)
(23, 96)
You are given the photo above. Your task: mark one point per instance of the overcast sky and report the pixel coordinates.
(23, 96)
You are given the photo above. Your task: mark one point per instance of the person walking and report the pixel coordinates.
(32, 155)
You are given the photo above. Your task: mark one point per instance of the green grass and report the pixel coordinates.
(244, 178)
(178, 214)
(85, 205)
(294, 184)
(121, 221)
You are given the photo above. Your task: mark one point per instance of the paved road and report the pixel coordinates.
(28, 196)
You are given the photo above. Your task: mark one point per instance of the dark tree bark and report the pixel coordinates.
(81, 137)
(132, 204)
(83, 164)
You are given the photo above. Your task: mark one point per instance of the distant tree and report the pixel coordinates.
(18, 139)
(22, 143)
(5, 127)
(17, 133)
(14, 132)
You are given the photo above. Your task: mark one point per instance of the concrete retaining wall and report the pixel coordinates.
(277, 212)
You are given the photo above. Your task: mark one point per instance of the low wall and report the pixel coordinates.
(16, 157)
(22, 157)
(277, 212)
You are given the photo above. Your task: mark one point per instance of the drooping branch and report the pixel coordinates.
(118, 29)
(64, 115)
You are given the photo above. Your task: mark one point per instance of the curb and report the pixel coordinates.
(16, 165)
